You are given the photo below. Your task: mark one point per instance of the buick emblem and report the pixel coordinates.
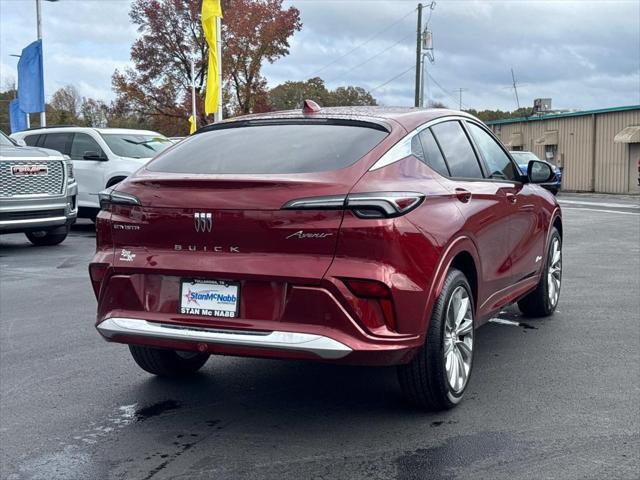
(203, 221)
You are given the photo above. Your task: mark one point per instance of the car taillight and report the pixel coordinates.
(111, 197)
(97, 273)
(364, 205)
(374, 301)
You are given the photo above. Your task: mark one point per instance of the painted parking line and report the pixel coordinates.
(599, 204)
(601, 210)
(504, 321)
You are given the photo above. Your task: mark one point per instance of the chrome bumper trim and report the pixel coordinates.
(44, 221)
(324, 347)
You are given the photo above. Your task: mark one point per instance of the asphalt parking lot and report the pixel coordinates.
(555, 398)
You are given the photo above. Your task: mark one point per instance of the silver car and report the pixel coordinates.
(38, 192)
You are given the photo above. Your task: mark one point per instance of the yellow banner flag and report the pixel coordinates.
(192, 124)
(210, 11)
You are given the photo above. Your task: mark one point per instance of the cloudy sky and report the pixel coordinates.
(584, 54)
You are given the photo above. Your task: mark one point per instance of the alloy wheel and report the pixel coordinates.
(554, 274)
(458, 339)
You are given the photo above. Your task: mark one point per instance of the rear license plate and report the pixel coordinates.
(210, 298)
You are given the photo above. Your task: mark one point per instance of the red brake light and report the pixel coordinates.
(367, 288)
(373, 296)
(364, 205)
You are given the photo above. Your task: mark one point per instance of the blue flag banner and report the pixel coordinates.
(31, 78)
(17, 118)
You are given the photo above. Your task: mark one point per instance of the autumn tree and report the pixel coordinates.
(290, 95)
(254, 31)
(94, 113)
(158, 86)
(64, 106)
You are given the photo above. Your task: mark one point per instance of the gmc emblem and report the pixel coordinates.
(29, 170)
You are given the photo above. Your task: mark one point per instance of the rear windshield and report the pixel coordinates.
(263, 149)
(136, 145)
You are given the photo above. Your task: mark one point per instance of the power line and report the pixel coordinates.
(371, 58)
(393, 78)
(362, 44)
(460, 90)
(445, 91)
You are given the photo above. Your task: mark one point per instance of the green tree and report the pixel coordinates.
(488, 115)
(290, 95)
(351, 97)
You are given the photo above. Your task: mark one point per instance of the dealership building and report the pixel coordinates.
(598, 150)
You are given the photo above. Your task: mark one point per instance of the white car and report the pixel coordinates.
(101, 157)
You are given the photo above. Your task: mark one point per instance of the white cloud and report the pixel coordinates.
(583, 54)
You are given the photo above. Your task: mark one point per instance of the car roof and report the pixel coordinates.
(407, 117)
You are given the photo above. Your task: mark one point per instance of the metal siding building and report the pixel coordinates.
(598, 150)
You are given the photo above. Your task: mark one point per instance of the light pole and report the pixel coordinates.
(43, 115)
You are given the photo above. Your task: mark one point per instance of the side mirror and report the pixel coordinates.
(539, 172)
(91, 155)
(21, 142)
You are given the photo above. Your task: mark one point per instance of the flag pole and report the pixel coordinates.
(219, 55)
(43, 115)
(193, 94)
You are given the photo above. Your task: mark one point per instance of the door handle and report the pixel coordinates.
(463, 195)
(512, 198)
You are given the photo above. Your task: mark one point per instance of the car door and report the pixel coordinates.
(88, 168)
(482, 202)
(526, 231)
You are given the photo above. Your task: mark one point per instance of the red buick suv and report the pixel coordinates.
(371, 236)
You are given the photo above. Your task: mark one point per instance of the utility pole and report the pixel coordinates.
(515, 88)
(418, 57)
(460, 90)
(424, 48)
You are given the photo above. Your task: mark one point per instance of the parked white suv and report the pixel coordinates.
(101, 157)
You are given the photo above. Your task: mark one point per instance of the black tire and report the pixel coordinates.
(48, 237)
(424, 380)
(167, 363)
(538, 303)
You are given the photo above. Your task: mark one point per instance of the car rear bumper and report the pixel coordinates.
(324, 347)
(312, 324)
